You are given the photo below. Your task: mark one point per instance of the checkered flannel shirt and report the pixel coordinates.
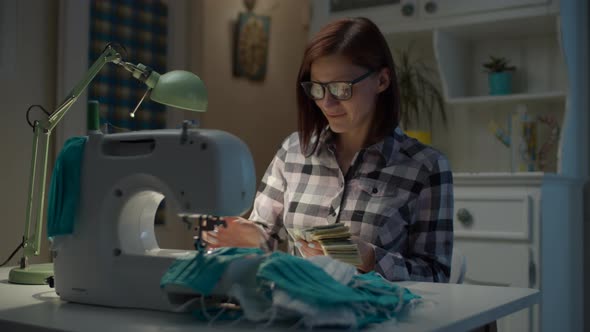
(397, 195)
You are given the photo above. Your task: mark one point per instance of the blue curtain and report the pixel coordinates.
(141, 27)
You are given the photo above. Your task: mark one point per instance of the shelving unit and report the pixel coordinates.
(534, 97)
(539, 84)
(532, 45)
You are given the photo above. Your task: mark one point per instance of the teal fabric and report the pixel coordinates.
(368, 297)
(372, 298)
(202, 272)
(64, 191)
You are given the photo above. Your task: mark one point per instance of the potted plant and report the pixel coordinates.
(420, 96)
(499, 75)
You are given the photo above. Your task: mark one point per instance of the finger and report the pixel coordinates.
(237, 221)
(210, 238)
(303, 251)
(300, 245)
(241, 220)
(221, 238)
(212, 234)
(213, 246)
(309, 251)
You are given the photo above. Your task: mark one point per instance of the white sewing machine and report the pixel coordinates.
(112, 258)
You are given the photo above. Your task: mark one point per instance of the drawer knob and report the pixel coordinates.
(465, 217)
(408, 9)
(430, 7)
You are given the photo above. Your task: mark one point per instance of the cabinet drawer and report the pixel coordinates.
(501, 264)
(487, 216)
(493, 263)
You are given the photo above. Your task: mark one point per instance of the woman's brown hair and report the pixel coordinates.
(363, 44)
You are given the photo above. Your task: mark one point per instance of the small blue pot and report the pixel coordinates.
(500, 83)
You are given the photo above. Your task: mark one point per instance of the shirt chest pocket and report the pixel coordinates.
(375, 188)
(377, 201)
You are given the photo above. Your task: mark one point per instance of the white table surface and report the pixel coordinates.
(448, 307)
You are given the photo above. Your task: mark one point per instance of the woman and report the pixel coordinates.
(349, 162)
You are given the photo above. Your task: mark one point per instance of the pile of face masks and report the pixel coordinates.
(278, 287)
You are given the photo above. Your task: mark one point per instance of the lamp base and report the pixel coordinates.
(34, 274)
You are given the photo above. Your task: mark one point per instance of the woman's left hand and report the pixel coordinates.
(367, 253)
(309, 249)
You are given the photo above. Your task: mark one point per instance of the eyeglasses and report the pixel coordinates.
(338, 90)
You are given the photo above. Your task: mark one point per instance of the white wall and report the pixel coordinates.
(260, 113)
(28, 34)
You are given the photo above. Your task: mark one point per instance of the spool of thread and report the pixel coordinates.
(92, 119)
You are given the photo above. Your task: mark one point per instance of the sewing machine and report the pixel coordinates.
(113, 258)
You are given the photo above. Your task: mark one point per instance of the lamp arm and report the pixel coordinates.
(32, 243)
(109, 55)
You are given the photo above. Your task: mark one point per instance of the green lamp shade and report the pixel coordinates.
(181, 89)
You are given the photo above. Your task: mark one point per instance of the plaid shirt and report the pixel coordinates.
(397, 195)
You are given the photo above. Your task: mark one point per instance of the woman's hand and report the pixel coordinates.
(309, 249)
(367, 253)
(239, 232)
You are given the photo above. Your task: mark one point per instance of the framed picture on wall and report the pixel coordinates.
(251, 46)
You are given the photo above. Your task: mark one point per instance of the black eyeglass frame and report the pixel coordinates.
(325, 86)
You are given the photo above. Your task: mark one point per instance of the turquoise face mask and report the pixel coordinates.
(371, 298)
(201, 273)
(276, 287)
(64, 190)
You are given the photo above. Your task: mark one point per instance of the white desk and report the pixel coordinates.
(449, 307)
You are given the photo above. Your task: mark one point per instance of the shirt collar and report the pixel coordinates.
(386, 148)
(328, 138)
(389, 145)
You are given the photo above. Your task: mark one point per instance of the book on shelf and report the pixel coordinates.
(334, 239)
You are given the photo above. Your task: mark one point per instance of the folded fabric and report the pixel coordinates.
(64, 190)
(277, 287)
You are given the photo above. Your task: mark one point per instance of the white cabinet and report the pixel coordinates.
(403, 13)
(440, 8)
(508, 227)
(414, 15)
(494, 227)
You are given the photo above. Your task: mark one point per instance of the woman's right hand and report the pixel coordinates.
(239, 232)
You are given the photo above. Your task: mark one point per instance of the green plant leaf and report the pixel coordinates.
(497, 65)
(419, 94)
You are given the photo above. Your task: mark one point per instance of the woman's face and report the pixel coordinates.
(354, 115)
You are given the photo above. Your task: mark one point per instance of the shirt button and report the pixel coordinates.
(375, 190)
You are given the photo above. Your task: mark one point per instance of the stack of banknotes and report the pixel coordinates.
(334, 239)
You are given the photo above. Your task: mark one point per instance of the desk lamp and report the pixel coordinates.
(177, 88)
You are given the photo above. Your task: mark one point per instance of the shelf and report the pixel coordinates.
(514, 28)
(553, 96)
(532, 45)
